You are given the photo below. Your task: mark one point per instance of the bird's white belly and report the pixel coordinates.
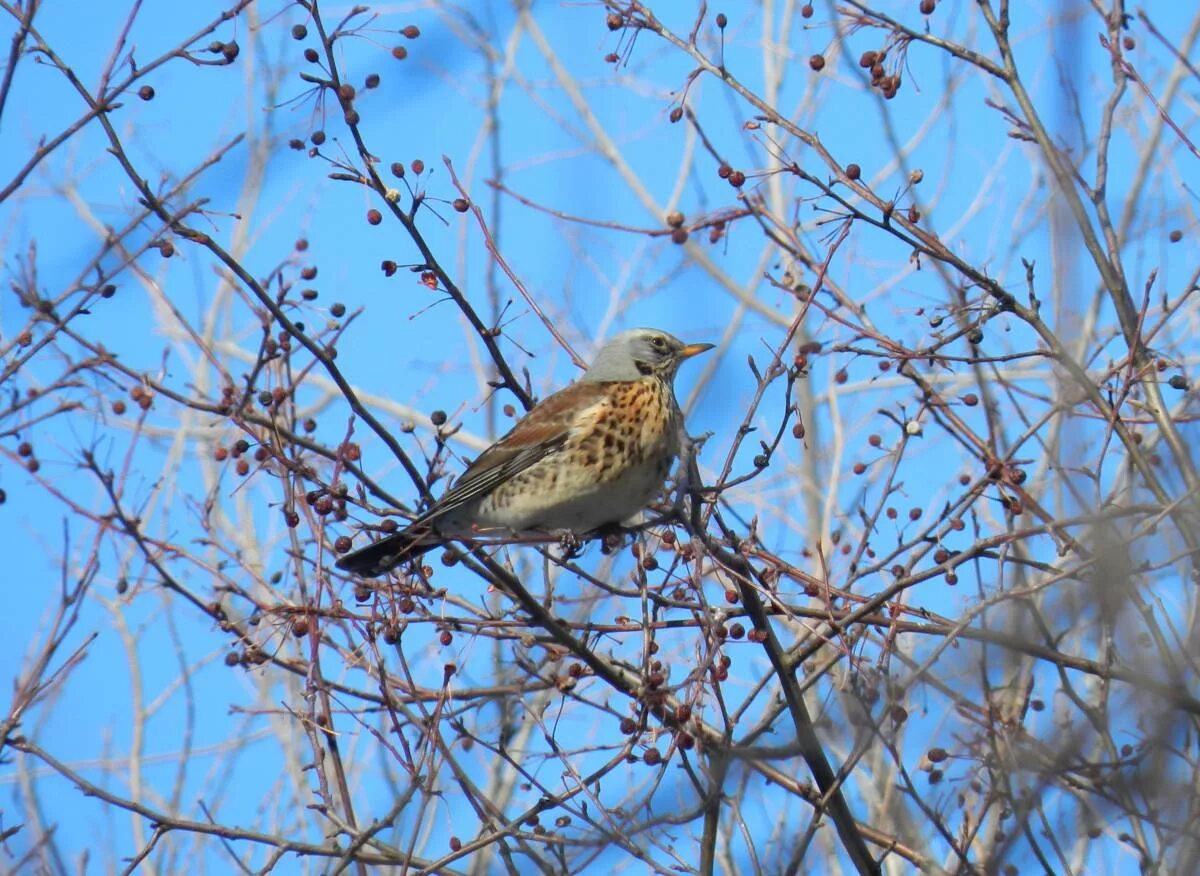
(575, 503)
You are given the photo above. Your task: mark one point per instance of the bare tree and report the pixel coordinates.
(920, 596)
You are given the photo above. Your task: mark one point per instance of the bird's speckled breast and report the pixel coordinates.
(617, 456)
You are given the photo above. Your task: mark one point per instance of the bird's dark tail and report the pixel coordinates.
(388, 553)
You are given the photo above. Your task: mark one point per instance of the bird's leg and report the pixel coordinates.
(570, 543)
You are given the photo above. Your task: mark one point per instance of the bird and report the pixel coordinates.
(589, 456)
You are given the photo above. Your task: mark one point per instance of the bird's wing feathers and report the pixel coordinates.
(544, 430)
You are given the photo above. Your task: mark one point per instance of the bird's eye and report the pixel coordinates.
(658, 342)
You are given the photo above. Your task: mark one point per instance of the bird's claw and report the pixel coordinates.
(570, 543)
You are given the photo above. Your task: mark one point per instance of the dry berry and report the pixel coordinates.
(462, 205)
(816, 62)
(1176, 236)
(411, 32)
(299, 31)
(853, 171)
(737, 179)
(613, 21)
(372, 81)
(146, 92)
(679, 236)
(676, 114)
(399, 53)
(722, 21)
(374, 216)
(806, 11)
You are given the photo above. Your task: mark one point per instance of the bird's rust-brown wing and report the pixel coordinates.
(541, 432)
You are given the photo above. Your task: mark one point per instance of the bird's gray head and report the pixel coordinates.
(640, 353)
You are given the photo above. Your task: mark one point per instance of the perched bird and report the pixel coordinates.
(592, 454)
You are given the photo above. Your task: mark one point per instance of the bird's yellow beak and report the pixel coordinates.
(694, 350)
